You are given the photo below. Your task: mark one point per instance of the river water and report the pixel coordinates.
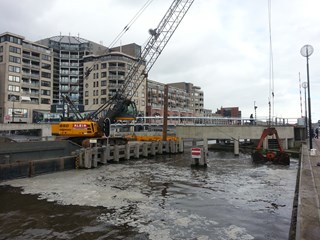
(157, 198)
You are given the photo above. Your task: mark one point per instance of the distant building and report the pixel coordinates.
(178, 100)
(208, 113)
(68, 73)
(196, 101)
(35, 75)
(108, 76)
(232, 112)
(26, 70)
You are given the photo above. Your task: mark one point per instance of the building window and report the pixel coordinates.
(18, 112)
(45, 83)
(14, 49)
(46, 66)
(1, 48)
(46, 57)
(13, 88)
(103, 83)
(14, 78)
(14, 59)
(14, 69)
(45, 101)
(103, 91)
(45, 92)
(103, 74)
(86, 102)
(1, 58)
(14, 40)
(45, 75)
(86, 93)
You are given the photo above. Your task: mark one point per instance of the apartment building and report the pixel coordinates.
(34, 76)
(179, 100)
(109, 75)
(68, 73)
(196, 102)
(25, 79)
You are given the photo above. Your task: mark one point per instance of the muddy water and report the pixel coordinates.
(158, 198)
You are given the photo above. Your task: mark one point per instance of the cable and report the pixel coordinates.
(271, 73)
(125, 29)
(131, 22)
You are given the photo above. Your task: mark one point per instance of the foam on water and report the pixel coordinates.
(143, 196)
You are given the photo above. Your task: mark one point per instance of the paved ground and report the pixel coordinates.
(308, 220)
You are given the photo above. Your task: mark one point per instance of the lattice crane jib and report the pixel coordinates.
(159, 37)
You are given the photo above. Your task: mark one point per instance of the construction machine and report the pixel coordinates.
(121, 106)
(275, 153)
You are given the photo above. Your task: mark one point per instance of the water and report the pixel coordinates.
(158, 198)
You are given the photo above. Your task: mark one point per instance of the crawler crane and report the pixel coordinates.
(121, 106)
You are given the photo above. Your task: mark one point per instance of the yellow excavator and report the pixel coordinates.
(121, 106)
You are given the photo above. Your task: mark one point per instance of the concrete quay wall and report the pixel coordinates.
(45, 128)
(308, 212)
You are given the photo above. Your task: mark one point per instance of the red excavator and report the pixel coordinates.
(275, 153)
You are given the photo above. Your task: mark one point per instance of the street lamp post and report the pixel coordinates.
(305, 86)
(13, 99)
(306, 51)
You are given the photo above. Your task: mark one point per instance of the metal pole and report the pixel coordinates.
(306, 51)
(165, 113)
(13, 111)
(309, 105)
(13, 99)
(305, 109)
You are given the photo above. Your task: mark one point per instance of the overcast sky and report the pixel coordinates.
(221, 46)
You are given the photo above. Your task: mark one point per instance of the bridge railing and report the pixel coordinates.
(219, 121)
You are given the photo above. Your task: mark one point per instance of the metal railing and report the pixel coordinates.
(216, 121)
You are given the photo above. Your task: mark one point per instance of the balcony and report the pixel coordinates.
(113, 86)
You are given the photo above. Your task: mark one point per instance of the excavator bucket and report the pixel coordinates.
(275, 153)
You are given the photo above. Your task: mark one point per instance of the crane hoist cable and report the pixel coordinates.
(119, 36)
(125, 29)
(271, 73)
(158, 39)
(132, 21)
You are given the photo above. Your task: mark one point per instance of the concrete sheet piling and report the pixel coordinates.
(127, 152)
(144, 150)
(136, 151)
(160, 147)
(70, 156)
(236, 147)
